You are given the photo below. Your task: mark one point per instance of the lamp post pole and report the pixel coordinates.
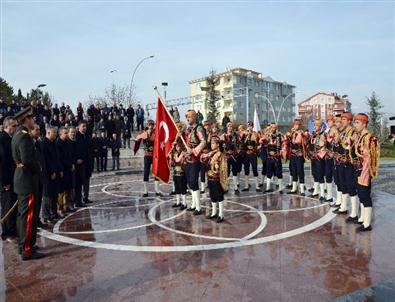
(134, 72)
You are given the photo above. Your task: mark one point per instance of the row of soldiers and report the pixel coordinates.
(42, 176)
(341, 152)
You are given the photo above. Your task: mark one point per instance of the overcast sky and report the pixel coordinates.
(330, 46)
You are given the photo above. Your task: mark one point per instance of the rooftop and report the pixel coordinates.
(243, 72)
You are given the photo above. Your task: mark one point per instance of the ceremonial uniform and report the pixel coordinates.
(366, 155)
(148, 137)
(251, 142)
(330, 138)
(217, 181)
(179, 177)
(297, 147)
(230, 142)
(336, 147)
(206, 149)
(26, 179)
(346, 171)
(317, 156)
(263, 155)
(275, 148)
(195, 140)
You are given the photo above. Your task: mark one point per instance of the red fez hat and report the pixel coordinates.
(347, 115)
(361, 117)
(330, 118)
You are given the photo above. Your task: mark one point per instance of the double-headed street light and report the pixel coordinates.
(276, 117)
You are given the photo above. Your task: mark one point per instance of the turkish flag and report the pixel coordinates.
(165, 135)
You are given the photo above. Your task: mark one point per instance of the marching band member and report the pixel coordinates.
(230, 141)
(337, 161)
(203, 170)
(179, 178)
(330, 137)
(240, 150)
(194, 137)
(147, 137)
(251, 140)
(217, 177)
(276, 151)
(263, 153)
(346, 169)
(366, 160)
(297, 146)
(317, 156)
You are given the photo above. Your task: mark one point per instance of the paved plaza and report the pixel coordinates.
(271, 247)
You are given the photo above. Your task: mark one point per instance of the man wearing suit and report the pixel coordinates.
(7, 169)
(84, 165)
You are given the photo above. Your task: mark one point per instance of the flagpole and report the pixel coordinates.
(164, 105)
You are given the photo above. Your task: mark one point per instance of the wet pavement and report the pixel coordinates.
(271, 247)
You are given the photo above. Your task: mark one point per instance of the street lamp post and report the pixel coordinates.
(134, 72)
(282, 103)
(165, 84)
(257, 95)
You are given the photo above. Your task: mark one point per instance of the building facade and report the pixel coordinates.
(322, 104)
(241, 91)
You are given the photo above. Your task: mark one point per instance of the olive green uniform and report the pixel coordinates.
(26, 179)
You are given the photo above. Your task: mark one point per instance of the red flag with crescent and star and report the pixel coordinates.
(165, 135)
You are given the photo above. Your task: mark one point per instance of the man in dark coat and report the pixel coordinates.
(7, 170)
(130, 115)
(104, 144)
(84, 164)
(67, 166)
(26, 183)
(110, 127)
(140, 118)
(116, 145)
(38, 143)
(72, 142)
(54, 176)
(96, 146)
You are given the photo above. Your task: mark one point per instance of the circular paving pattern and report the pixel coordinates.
(246, 221)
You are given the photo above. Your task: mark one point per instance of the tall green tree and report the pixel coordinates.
(6, 91)
(37, 95)
(374, 114)
(212, 96)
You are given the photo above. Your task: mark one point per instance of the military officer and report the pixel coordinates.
(26, 183)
